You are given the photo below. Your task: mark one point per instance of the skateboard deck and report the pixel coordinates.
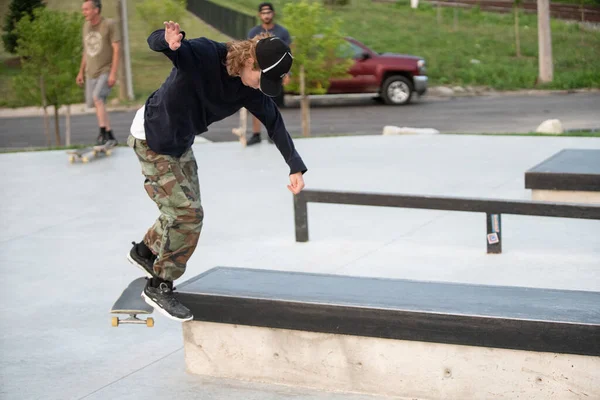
(131, 303)
(86, 154)
(240, 131)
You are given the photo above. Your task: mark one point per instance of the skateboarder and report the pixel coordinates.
(99, 64)
(266, 13)
(209, 82)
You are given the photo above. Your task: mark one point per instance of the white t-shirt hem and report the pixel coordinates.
(137, 126)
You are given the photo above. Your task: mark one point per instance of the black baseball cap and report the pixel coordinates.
(274, 59)
(266, 5)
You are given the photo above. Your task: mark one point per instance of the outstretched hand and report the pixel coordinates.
(296, 183)
(173, 35)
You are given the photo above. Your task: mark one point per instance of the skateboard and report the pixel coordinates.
(86, 154)
(131, 302)
(240, 131)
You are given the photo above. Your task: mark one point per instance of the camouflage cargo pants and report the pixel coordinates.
(172, 183)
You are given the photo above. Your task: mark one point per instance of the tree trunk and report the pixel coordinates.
(56, 125)
(544, 42)
(517, 37)
(121, 70)
(46, 116)
(581, 31)
(68, 126)
(304, 104)
(455, 19)
(125, 79)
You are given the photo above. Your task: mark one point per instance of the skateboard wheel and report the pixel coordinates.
(150, 322)
(108, 152)
(115, 321)
(85, 160)
(71, 159)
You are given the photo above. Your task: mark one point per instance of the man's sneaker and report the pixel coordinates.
(143, 263)
(163, 299)
(254, 139)
(101, 139)
(110, 138)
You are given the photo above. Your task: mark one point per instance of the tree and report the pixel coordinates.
(317, 41)
(17, 10)
(50, 48)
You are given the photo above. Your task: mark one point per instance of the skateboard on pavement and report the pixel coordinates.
(86, 154)
(131, 303)
(240, 131)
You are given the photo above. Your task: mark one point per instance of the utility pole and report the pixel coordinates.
(546, 73)
(126, 85)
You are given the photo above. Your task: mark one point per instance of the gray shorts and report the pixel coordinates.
(96, 88)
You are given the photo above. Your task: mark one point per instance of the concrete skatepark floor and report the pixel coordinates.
(69, 227)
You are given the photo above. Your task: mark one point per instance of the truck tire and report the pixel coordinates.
(397, 90)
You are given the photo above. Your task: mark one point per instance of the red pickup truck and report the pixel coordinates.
(392, 77)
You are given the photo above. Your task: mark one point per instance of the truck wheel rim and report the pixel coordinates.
(398, 92)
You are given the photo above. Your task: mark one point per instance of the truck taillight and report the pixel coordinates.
(421, 66)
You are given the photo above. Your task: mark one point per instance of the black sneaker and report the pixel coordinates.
(110, 138)
(254, 139)
(101, 139)
(164, 301)
(146, 264)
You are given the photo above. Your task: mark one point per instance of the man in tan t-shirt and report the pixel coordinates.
(100, 61)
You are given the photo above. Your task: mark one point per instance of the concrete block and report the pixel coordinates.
(408, 369)
(566, 196)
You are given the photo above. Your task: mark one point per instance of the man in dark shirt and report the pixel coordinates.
(209, 82)
(266, 13)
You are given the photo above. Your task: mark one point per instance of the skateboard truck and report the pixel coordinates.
(130, 303)
(133, 319)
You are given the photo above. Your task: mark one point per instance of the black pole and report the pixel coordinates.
(493, 237)
(301, 217)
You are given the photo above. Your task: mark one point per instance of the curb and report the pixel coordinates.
(436, 92)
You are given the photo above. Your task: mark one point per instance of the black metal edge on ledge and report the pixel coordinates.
(562, 181)
(540, 336)
(492, 206)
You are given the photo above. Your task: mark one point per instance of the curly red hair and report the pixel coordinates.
(239, 51)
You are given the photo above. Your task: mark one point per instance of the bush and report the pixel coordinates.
(17, 10)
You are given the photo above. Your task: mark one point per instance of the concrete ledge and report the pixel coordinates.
(569, 169)
(558, 321)
(571, 175)
(407, 369)
(392, 337)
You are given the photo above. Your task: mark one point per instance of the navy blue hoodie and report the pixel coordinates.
(198, 92)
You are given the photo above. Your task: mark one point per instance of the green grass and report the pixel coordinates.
(149, 69)
(483, 36)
